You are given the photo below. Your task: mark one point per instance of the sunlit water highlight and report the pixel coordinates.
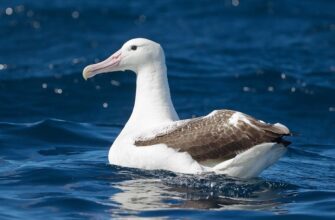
(270, 59)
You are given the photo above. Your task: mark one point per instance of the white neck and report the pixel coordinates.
(153, 103)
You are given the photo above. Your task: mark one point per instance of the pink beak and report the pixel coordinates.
(109, 65)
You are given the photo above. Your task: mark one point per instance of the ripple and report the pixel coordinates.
(268, 59)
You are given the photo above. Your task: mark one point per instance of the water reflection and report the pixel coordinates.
(144, 194)
(192, 192)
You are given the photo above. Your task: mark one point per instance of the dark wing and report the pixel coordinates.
(219, 135)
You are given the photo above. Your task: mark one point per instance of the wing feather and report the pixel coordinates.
(219, 135)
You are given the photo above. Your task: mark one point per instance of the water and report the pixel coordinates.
(270, 59)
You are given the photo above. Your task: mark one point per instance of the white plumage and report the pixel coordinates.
(155, 138)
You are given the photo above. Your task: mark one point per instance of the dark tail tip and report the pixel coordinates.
(283, 141)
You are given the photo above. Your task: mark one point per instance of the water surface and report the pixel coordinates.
(270, 59)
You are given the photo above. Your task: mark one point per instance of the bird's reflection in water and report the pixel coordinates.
(205, 192)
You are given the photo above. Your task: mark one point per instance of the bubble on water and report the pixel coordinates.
(105, 105)
(9, 11)
(3, 66)
(36, 24)
(293, 89)
(19, 8)
(50, 66)
(97, 87)
(30, 13)
(283, 76)
(75, 60)
(75, 14)
(235, 2)
(58, 91)
(141, 19)
(115, 83)
(271, 89)
(44, 85)
(331, 109)
(246, 89)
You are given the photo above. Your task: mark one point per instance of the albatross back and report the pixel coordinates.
(220, 135)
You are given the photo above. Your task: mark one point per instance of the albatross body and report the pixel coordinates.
(225, 141)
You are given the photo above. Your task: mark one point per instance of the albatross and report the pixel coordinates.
(224, 141)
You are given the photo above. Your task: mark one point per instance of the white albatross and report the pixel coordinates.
(225, 141)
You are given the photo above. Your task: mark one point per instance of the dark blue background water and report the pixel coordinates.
(271, 59)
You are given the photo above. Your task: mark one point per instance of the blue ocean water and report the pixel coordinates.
(271, 59)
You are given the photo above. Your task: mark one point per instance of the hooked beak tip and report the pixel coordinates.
(86, 73)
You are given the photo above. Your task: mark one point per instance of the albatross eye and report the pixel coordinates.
(133, 47)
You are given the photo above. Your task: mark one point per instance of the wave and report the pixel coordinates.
(57, 131)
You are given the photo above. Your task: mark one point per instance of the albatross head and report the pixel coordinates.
(133, 55)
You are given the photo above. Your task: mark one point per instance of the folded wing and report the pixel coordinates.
(220, 135)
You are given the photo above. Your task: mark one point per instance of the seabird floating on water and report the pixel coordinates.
(225, 141)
